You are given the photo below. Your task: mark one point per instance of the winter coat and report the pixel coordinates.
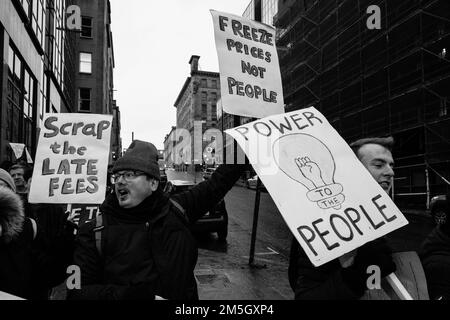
(328, 282)
(16, 259)
(31, 261)
(147, 246)
(435, 256)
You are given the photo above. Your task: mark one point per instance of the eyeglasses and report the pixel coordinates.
(127, 176)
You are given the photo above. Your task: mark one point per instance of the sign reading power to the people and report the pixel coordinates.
(327, 197)
(250, 78)
(71, 159)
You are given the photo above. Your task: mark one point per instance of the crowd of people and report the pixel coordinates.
(140, 246)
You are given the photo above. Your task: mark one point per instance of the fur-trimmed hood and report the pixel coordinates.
(11, 215)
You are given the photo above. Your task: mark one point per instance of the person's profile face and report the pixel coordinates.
(379, 162)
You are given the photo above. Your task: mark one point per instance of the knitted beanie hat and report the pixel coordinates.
(6, 177)
(141, 156)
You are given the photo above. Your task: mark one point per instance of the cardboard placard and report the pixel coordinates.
(72, 159)
(250, 78)
(328, 199)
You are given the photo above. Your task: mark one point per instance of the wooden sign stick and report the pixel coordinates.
(398, 287)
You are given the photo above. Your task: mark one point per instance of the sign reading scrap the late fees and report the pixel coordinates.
(71, 159)
(327, 197)
(250, 78)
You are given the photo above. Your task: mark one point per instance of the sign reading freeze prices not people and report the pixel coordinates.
(328, 199)
(250, 78)
(72, 159)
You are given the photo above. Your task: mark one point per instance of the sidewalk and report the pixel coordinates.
(223, 272)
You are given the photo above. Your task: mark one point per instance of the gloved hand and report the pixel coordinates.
(140, 291)
(372, 253)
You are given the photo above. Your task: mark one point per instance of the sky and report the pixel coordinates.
(153, 42)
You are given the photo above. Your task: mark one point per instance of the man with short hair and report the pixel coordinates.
(141, 247)
(346, 277)
(17, 172)
(376, 155)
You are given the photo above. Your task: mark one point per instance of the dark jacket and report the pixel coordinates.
(331, 281)
(325, 282)
(147, 250)
(435, 257)
(20, 266)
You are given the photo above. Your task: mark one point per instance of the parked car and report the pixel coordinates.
(251, 183)
(216, 220)
(208, 172)
(438, 209)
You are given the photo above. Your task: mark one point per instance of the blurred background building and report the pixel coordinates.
(197, 106)
(389, 81)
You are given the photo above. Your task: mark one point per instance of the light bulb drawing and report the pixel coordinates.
(307, 160)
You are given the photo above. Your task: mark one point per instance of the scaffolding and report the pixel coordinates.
(395, 80)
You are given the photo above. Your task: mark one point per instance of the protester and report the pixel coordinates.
(17, 233)
(435, 257)
(346, 277)
(55, 240)
(17, 172)
(142, 247)
(35, 247)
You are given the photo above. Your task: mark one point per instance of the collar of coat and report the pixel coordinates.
(11, 215)
(149, 210)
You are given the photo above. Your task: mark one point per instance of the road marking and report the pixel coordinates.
(271, 252)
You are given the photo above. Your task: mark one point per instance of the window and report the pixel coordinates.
(214, 112)
(84, 99)
(204, 111)
(214, 96)
(86, 27)
(204, 83)
(35, 11)
(85, 62)
(214, 84)
(204, 96)
(21, 102)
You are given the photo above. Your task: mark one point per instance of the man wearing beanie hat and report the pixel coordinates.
(141, 247)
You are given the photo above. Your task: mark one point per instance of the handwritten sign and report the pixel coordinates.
(71, 159)
(250, 78)
(83, 213)
(327, 197)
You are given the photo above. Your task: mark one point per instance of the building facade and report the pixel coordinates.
(95, 56)
(169, 144)
(197, 105)
(43, 68)
(116, 140)
(37, 70)
(393, 80)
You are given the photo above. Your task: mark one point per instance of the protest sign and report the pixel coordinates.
(327, 197)
(71, 159)
(250, 78)
(81, 213)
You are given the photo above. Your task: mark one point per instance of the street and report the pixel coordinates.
(222, 270)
